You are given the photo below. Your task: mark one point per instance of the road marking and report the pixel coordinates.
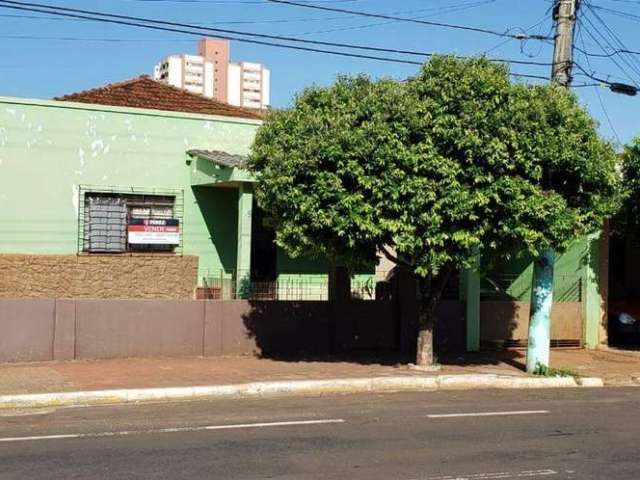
(174, 430)
(275, 424)
(497, 475)
(488, 414)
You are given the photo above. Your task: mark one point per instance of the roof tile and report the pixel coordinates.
(221, 158)
(144, 92)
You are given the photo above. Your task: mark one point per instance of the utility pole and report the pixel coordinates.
(565, 16)
(539, 345)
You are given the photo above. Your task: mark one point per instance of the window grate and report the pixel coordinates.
(104, 214)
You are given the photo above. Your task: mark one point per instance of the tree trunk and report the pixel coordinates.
(424, 355)
(430, 291)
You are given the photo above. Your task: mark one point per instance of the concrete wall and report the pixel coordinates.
(98, 276)
(509, 321)
(59, 329)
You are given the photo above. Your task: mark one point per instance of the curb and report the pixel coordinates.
(295, 387)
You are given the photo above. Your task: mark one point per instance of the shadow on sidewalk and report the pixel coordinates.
(513, 358)
(373, 358)
(365, 332)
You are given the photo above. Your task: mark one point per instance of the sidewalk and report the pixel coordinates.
(46, 377)
(615, 367)
(142, 379)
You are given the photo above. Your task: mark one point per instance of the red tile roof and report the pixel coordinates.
(143, 92)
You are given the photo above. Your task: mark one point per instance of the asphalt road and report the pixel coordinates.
(479, 435)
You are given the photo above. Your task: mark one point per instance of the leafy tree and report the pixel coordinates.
(628, 219)
(453, 163)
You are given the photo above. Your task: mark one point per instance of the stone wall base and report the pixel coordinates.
(98, 276)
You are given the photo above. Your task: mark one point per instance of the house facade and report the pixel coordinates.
(138, 190)
(83, 177)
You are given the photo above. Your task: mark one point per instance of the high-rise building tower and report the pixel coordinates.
(217, 52)
(211, 74)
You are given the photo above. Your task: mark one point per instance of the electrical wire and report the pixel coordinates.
(226, 2)
(597, 90)
(403, 19)
(604, 50)
(55, 10)
(148, 25)
(629, 60)
(275, 20)
(441, 11)
(606, 55)
(461, 6)
(545, 17)
(618, 13)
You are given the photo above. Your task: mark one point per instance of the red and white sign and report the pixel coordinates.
(153, 231)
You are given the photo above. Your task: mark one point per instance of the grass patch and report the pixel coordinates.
(545, 371)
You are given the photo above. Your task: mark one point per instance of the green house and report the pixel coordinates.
(138, 190)
(78, 171)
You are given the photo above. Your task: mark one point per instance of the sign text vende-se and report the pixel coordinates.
(153, 231)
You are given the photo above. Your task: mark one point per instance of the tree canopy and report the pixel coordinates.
(628, 220)
(455, 162)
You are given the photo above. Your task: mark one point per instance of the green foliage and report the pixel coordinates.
(628, 220)
(454, 162)
(545, 371)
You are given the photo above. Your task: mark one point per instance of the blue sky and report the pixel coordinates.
(43, 57)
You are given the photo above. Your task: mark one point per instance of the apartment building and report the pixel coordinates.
(189, 72)
(248, 85)
(210, 73)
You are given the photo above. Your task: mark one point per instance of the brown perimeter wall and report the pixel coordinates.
(65, 329)
(98, 276)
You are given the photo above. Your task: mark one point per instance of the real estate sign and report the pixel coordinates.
(153, 231)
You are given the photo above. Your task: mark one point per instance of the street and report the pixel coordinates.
(555, 434)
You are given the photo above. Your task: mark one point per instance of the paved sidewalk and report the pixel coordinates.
(172, 372)
(615, 367)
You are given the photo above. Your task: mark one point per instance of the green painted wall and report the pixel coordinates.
(48, 149)
(576, 277)
(307, 274)
(593, 296)
(516, 275)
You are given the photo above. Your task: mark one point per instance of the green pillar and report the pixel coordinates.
(243, 262)
(592, 298)
(539, 344)
(471, 291)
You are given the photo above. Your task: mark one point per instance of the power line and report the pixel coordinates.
(282, 20)
(225, 37)
(116, 19)
(187, 32)
(437, 11)
(224, 22)
(629, 60)
(604, 50)
(602, 106)
(405, 19)
(443, 9)
(607, 55)
(55, 10)
(90, 39)
(226, 2)
(524, 31)
(618, 13)
(440, 11)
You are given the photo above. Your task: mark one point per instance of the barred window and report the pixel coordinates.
(118, 223)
